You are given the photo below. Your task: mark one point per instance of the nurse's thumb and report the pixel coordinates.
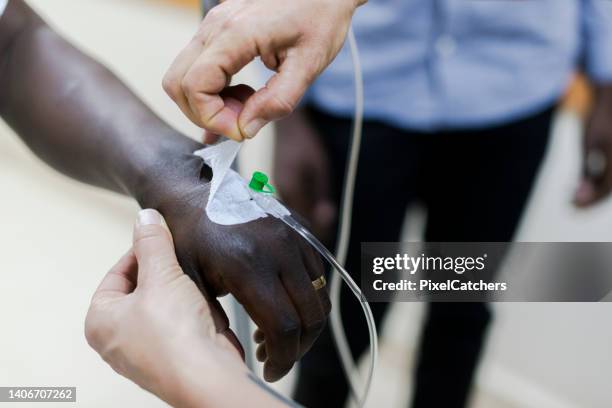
(278, 98)
(154, 249)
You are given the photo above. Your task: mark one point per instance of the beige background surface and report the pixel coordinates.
(57, 239)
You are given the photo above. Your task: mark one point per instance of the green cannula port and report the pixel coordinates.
(259, 183)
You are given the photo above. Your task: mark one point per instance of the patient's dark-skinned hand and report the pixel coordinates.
(263, 263)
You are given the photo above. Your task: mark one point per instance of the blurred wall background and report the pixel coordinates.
(58, 238)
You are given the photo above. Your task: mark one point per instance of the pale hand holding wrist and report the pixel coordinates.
(151, 324)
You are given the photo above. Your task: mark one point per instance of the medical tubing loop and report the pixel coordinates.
(339, 335)
(342, 273)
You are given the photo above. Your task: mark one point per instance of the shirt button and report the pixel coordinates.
(446, 46)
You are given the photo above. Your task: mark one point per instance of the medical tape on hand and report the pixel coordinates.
(230, 200)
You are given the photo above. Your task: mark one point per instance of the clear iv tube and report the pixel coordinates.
(337, 327)
(315, 243)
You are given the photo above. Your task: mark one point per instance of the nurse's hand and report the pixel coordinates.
(298, 39)
(149, 321)
(596, 182)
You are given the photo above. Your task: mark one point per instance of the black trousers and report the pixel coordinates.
(475, 185)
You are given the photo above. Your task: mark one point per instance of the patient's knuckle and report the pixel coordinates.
(249, 251)
(315, 326)
(285, 235)
(289, 328)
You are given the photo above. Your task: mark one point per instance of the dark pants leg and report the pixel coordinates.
(478, 185)
(395, 168)
(381, 197)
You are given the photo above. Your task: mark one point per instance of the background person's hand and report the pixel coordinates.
(264, 264)
(596, 181)
(302, 174)
(298, 39)
(149, 321)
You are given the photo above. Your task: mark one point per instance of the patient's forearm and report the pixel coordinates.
(73, 112)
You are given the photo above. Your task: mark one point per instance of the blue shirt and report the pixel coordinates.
(440, 64)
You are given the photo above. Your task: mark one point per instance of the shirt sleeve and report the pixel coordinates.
(597, 45)
(2, 6)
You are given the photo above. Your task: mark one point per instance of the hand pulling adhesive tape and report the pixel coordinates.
(230, 200)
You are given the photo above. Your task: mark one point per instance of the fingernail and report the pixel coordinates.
(254, 126)
(149, 217)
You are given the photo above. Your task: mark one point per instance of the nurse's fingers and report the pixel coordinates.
(120, 280)
(173, 80)
(208, 76)
(280, 96)
(154, 249)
